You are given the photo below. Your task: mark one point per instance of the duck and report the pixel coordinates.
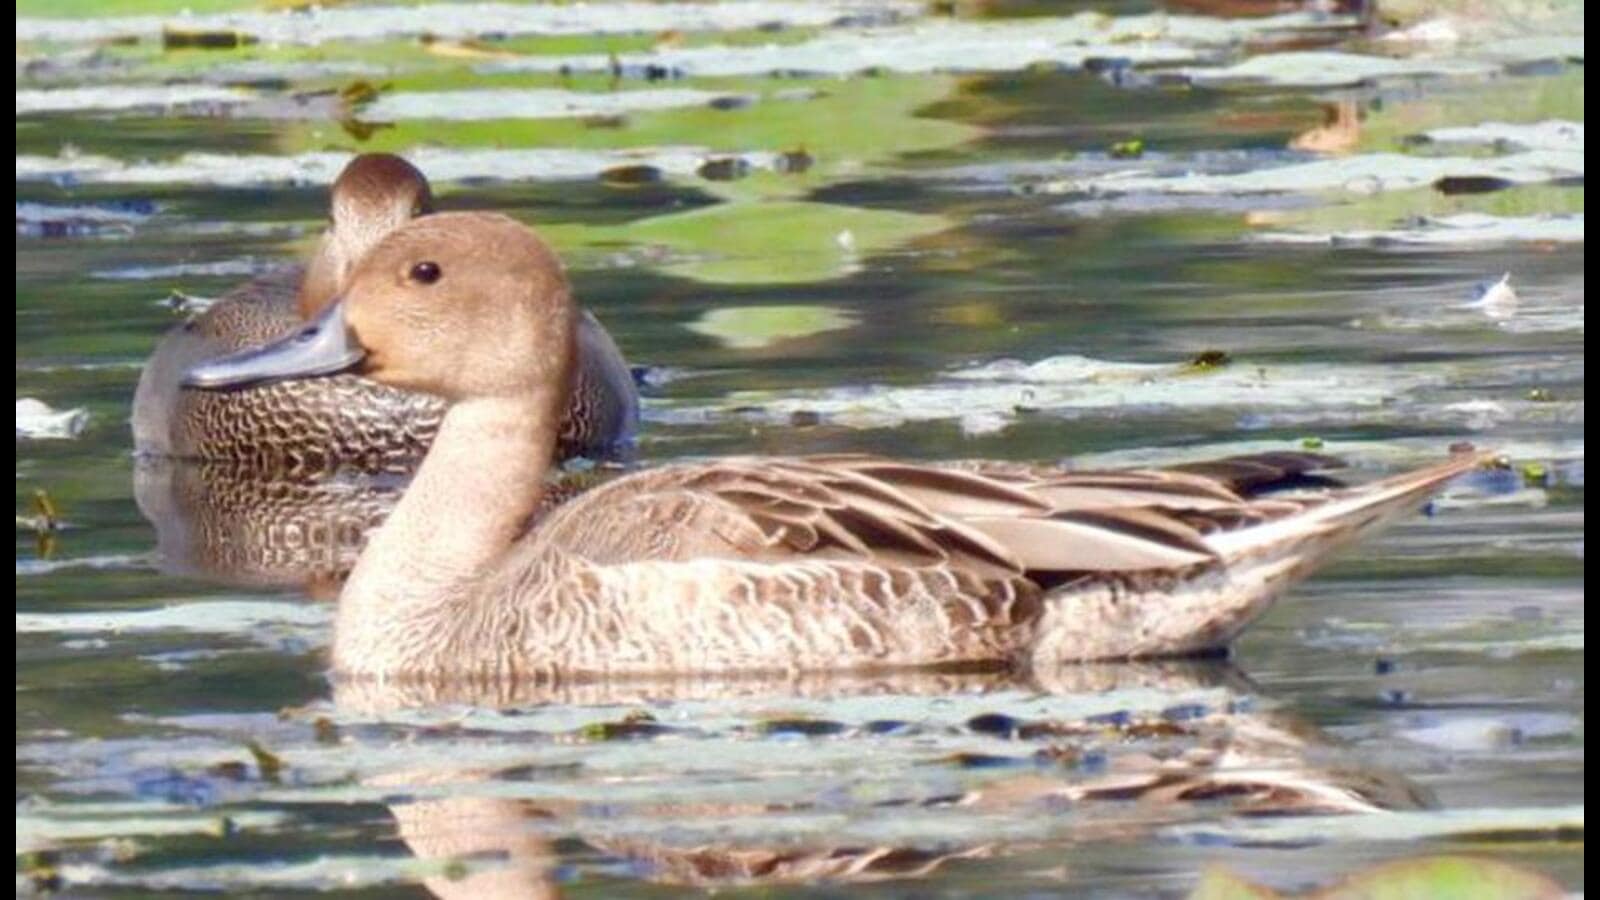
(757, 564)
(312, 426)
(241, 527)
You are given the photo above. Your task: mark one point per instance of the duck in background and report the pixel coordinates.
(319, 425)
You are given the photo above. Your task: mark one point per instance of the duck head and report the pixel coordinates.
(461, 305)
(374, 195)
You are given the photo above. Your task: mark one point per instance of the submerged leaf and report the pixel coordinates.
(755, 327)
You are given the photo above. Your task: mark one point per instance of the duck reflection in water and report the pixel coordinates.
(1108, 754)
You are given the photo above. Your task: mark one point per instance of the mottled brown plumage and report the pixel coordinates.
(757, 564)
(239, 525)
(303, 427)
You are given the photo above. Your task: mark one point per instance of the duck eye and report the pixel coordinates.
(426, 272)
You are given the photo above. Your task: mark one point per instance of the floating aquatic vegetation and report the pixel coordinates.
(1208, 360)
(51, 220)
(1547, 135)
(46, 517)
(1359, 174)
(1071, 386)
(352, 871)
(442, 165)
(45, 523)
(1331, 68)
(981, 423)
(1072, 42)
(1400, 117)
(40, 828)
(782, 242)
(37, 420)
(268, 764)
(244, 268)
(756, 327)
(124, 97)
(1489, 734)
(205, 39)
(530, 103)
(1162, 204)
(46, 565)
(317, 25)
(638, 725)
(1430, 31)
(1464, 230)
(1481, 21)
(239, 617)
(1398, 825)
(1129, 149)
(726, 168)
(786, 147)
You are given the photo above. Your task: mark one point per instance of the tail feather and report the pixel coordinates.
(1253, 473)
(1151, 614)
(1330, 525)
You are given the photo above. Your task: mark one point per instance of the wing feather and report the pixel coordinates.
(990, 521)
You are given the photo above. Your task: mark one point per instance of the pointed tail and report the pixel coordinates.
(1335, 523)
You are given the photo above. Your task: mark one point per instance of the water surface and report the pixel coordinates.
(848, 227)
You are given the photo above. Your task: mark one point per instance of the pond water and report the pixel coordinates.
(1112, 234)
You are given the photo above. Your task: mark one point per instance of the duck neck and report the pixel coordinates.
(472, 497)
(337, 253)
(321, 281)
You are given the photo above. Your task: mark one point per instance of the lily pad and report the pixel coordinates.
(527, 104)
(845, 127)
(959, 46)
(987, 397)
(330, 24)
(1327, 68)
(50, 220)
(441, 165)
(241, 617)
(1391, 826)
(1553, 134)
(756, 327)
(774, 243)
(123, 97)
(1465, 230)
(1364, 174)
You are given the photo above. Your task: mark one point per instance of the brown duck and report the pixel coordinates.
(316, 425)
(755, 564)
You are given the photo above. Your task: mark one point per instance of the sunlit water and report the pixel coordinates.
(976, 264)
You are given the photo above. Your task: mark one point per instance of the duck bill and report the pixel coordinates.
(322, 347)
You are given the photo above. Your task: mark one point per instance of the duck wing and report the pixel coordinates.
(890, 513)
